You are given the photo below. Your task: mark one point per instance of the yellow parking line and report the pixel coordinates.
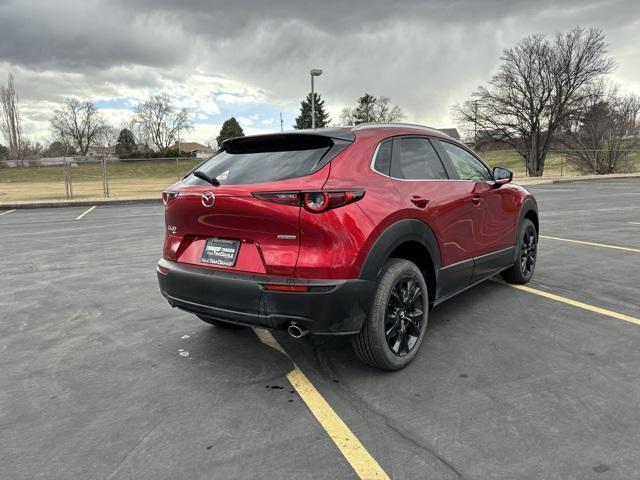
(604, 245)
(575, 303)
(354, 452)
(8, 211)
(87, 211)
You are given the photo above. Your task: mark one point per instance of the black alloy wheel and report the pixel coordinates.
(395, 328)
(528, 251)
(404, 315)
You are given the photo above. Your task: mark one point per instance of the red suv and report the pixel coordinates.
(345, 231)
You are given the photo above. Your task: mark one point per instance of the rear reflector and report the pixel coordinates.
(284, 288)
(163, 270)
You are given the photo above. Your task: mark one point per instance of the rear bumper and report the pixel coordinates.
(328, 307)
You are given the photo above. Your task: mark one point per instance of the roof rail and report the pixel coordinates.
(387, 125)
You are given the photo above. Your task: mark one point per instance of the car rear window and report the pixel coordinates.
(382, 163)
(269, 158)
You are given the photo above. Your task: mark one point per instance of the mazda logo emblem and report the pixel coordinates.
(208, 199)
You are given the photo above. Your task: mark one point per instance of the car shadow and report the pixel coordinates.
(454, 319)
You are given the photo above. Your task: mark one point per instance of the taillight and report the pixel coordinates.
(167, 196)
(315, 202)
(284, 198)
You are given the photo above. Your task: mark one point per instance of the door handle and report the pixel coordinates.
(476, 200)
(418, 201)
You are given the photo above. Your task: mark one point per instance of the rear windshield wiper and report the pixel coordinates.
(212, 180)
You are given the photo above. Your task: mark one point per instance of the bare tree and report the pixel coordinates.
(605, 131)
(108, 137)
(78, 123)
(371, 109)
(31, 150)
(539, 87)
(160, 122)
(384, 112)
(212, 143)
(10, 119)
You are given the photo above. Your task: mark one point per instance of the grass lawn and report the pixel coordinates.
(166, 169)
(149, 177)
(126, 179)
(555, 164)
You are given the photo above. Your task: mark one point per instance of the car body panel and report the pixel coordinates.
(467, 228)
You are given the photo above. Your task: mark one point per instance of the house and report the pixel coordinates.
(95, 151)
(452, 132)
(194, 149)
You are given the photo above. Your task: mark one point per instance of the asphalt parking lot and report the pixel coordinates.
(100, 378)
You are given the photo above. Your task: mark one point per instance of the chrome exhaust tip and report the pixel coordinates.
(296, 332)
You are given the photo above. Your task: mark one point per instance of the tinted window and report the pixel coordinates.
(416, 159)
(467, 166)
(383, 157)
(267, 159)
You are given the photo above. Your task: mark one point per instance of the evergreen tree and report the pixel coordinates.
(4, 152)
(126, 142)
(230, 129)
(59, 149)
(304, 119)
(365, 111)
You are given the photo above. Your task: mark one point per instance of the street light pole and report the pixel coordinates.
(313, 106)
(315, 72)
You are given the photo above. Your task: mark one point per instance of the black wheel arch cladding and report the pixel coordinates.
(396, 234)
(529, 210)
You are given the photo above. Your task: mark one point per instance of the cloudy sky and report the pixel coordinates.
(250, 58)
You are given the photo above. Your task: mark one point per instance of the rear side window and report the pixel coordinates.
(269, 158)
(467, 166)
(414, 158)
(382, 163)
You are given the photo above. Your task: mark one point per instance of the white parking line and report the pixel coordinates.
(593, 244)
(8, 211)
(574, 303)
(634, 223)
(87, 211)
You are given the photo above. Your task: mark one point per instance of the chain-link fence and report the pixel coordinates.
(89, 177)
(111, 177)
(561, 163)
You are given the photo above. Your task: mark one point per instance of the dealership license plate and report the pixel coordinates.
(220, 252)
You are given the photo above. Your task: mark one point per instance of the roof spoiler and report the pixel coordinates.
(343, 134)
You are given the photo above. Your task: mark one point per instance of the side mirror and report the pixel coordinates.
(501, 176)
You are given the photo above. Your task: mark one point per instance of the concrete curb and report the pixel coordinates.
(158, 199)
(583, 178)
(80, 202)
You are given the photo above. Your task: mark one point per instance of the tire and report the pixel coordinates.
(371, 344)
(521, 271)
(219, 323)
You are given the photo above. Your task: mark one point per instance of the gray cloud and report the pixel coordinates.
(425, 55)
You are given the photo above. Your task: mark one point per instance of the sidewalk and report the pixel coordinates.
(156, 198)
